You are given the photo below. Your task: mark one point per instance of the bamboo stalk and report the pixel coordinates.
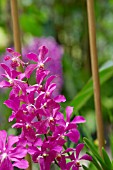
(16, 28)
(15, 23)
(17, 46)
(95, 73)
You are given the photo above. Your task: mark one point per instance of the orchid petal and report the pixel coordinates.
(18, 152)
(29, 70)
(22, 164)
(73, 135)
(12, 140)
(49, 80)
(69, 111)
(6, 165)
(4, 83)
(6, 68)
(86, 157)
(32, 56)
(78, 119)
(60, 98)
(13, 104)
(3, 136)
(78, 149)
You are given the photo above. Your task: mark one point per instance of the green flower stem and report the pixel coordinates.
(28, 158)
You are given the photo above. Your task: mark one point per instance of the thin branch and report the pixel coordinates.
(95, 74)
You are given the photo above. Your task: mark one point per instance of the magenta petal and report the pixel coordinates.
(16, 54)
(32, 150)
(62, 163)
(6, 68)
(75, 168)
(10, 50)
(69, 165)
(21, 76)
(12, 117)
(69, 111)
(17, 125)
(21, 85)
(40, 76)
(3, 136)
(57, 148)
(47, 59)
(31, 97)
(78, 119)
(12, 140)
(32, 56)
(60, 98)
(12, 104)
(78, 149)
(22, 164)
(49, 80)
(86, 157)
(71, 125)
(69, 150)
(38, 142)
(61, 122)
(6, 165)
(42, 164)
(29, 70)
(52, 87)
(6, 58)
(4, 83)
(73, 135)
(15, 73)
(42, 52)
(18, 152)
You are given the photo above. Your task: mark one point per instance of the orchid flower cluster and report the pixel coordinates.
(56, 53)
(54, 65)
(44, 130)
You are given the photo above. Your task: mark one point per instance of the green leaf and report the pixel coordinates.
(84, 167)
(106, 158)
(95, 161)
(112, 165)
(95, 153)
(111, 143)
(83, 96)
(91, 147)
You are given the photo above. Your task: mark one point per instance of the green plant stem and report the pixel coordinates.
(95, 74)
(28, 158)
